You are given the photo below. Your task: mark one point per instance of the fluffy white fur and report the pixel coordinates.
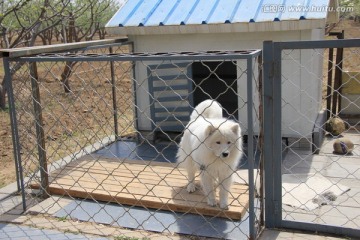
(207, 109)
(211, 144)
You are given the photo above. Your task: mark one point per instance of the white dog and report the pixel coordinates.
(211, 144)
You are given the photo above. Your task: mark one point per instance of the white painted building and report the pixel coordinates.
(206, 25)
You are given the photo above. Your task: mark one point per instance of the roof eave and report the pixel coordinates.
(288, 25)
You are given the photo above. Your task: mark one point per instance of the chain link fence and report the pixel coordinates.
(96, 131)
(316, 110)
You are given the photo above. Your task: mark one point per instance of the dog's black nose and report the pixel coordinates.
(225, 154)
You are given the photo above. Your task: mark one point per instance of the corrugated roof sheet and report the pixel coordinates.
(193, 12)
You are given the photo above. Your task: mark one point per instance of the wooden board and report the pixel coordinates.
(350, 83)
(138, 183)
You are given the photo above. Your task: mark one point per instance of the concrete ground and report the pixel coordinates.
(282, 235)
(39, 222)
(18, 231)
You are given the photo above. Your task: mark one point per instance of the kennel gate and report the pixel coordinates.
(287, 164)
(21, 108)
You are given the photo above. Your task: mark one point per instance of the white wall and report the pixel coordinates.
(301, 94)
(204, 42)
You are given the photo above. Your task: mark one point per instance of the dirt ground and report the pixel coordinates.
(90, 104)
(71, 121)
(7, 168)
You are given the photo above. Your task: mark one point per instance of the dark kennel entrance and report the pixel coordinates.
(216, 80)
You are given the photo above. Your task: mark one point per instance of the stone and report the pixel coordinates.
(335, 126)
(343, 146)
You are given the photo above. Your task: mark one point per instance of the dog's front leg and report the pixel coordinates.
(225, 185)
(208, 187)
(191, 170)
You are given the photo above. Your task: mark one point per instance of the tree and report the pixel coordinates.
(346, 5)
(22, 22)
(85, 19)
(27, 20)
(7, 9)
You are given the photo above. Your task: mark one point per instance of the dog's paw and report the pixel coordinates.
(224, 203)
(191, 188)
(211, 202)
(224, 206)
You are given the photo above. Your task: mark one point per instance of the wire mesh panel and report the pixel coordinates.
(316, 136)
(100, 135)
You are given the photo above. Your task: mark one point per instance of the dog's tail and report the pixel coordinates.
(207, 109)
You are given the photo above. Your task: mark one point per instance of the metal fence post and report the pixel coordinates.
(250, 91)
(14, 132)
(277, 136)
(261, 138)
(114, 98)
(271, 127)
(40, 136)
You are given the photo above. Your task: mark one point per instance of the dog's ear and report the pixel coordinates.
(210, 130)
(236, 129)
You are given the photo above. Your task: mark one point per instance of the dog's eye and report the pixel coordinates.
(218, 142)
(228, 142)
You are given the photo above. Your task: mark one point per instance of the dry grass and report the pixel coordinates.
(71, 121)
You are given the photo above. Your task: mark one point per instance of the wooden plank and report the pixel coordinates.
(141, 183)
(146, 177)
(122, 170)
(123, 166)
(350, 83)
(148, 203)
(159, 194)
(138, 189)
(145, 180)
(28, 51)
(137, 183)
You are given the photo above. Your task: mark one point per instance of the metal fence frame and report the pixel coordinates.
(272, 112)
(272, 134)
(248, 56)
(9, 55)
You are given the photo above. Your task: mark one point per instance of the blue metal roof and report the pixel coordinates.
(191, 12)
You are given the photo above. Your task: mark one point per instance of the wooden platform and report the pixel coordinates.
(138, 183)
